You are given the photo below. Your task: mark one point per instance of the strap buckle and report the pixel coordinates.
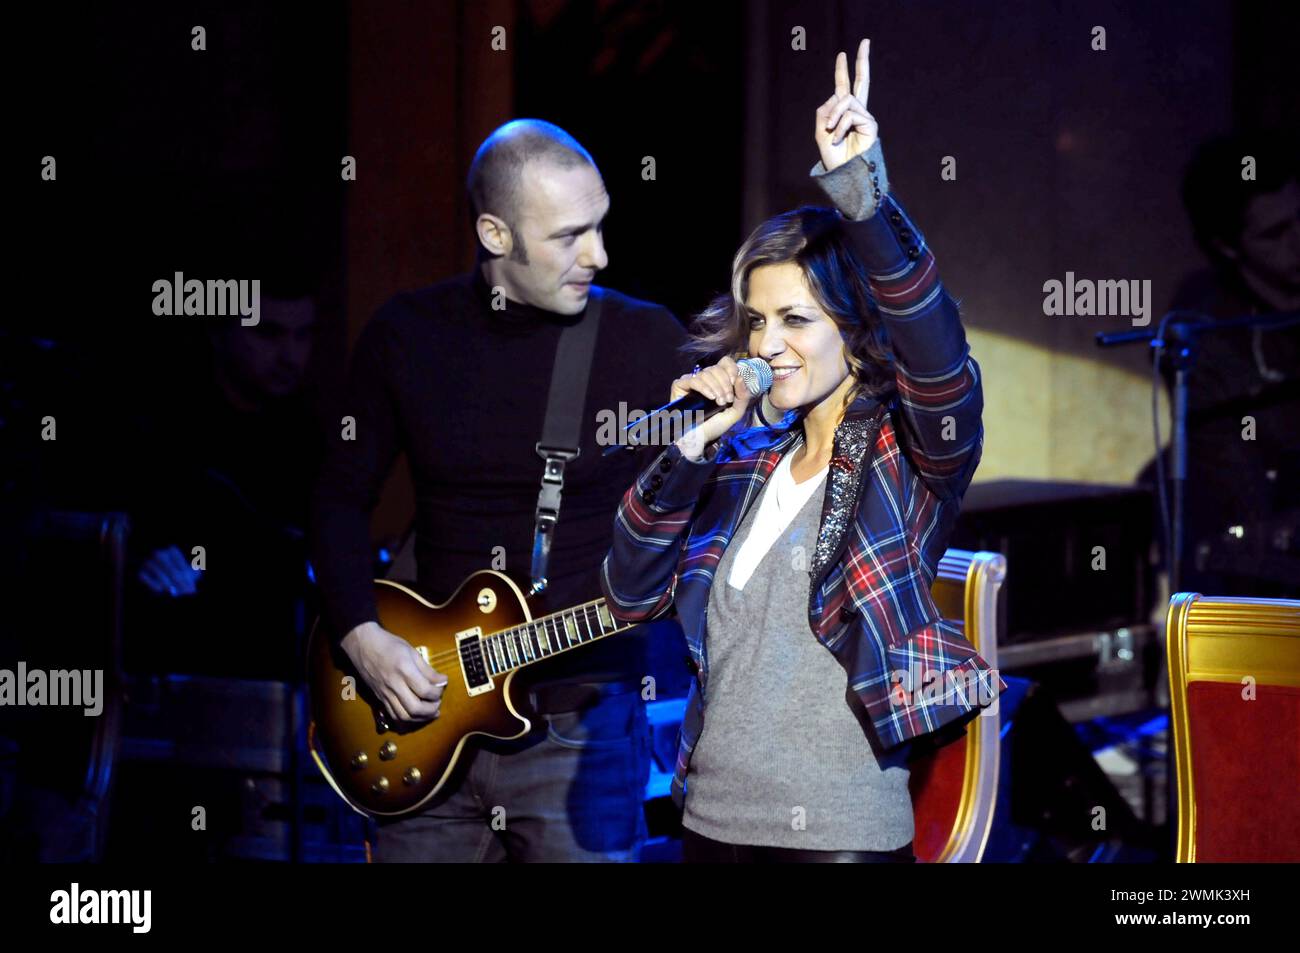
(548, 508)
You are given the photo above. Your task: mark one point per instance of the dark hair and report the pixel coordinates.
(1214, 192)
(494, 175)
(813, 238)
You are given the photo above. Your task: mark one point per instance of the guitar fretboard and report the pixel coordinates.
(550, 635)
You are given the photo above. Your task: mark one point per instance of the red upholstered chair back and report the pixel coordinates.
(1234, 688)
(954, 790)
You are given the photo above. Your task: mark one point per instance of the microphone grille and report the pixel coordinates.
(757, 375)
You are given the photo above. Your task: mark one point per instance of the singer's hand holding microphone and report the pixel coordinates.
(730, 387)
(715, 397)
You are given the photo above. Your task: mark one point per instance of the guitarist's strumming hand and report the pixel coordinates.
(844, 127)
(409, 688)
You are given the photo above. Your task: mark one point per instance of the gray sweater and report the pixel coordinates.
(782, 761)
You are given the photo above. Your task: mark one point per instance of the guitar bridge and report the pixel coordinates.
(469, 646)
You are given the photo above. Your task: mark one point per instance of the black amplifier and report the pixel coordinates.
(1081, 557)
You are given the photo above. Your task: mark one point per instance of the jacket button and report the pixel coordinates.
(913, 253)
(665, 465)
(846, 613)
(691, 666)
(656, 481)
(871, 166)
(905, 235)
(895, 218)
(648, 496)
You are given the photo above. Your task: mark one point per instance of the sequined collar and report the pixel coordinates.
(851, 457)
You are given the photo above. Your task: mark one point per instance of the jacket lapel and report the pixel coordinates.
(761, 451)
(854, 439)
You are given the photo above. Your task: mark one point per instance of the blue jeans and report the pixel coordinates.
(570, 790)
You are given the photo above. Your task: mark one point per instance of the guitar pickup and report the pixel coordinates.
(473, 667)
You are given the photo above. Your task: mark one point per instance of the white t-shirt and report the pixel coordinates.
(782, 499)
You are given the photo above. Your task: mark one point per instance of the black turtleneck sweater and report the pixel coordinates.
(462, 389)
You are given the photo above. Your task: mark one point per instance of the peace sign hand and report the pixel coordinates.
(844, 127)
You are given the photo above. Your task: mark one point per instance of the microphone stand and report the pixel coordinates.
(1179, 338)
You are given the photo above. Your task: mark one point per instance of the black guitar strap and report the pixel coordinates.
(562, 432)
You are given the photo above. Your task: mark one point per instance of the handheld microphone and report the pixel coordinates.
(694, 406)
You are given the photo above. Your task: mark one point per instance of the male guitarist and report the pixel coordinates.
(458, 375)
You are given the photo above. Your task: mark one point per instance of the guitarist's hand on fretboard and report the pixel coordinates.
(408, 687)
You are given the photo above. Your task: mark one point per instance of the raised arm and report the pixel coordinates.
(938, 381)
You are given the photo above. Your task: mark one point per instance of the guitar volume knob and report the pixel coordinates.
(387, 751)
(412, 776)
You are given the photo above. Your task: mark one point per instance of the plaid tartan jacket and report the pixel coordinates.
(897, 475)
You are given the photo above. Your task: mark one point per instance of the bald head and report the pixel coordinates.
(539, 212)
(496, 176)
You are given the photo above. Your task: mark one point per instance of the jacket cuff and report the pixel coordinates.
(858, 186)
(673, 481)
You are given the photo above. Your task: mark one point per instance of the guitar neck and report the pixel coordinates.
(543, 638)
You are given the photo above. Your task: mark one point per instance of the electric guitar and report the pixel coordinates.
(479, 638)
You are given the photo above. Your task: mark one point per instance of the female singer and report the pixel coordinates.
(798, 539)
